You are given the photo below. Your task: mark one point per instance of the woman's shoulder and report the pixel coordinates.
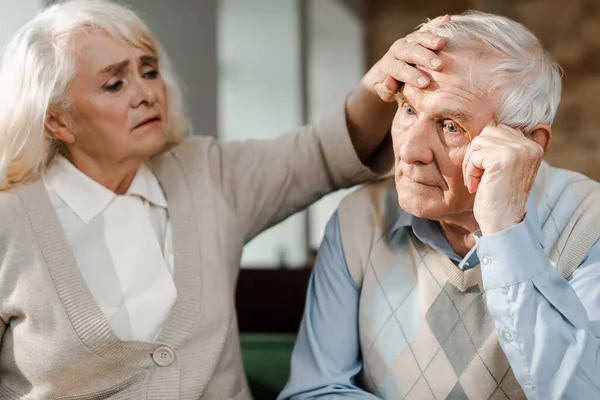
(198, 150)
(192, 145)
(11, 215)
(9, 200)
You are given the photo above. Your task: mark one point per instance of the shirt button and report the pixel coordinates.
(486, 260)
(505, 290)
(163, 356)
(507, 335)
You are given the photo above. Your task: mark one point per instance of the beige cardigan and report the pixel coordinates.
(57, 344)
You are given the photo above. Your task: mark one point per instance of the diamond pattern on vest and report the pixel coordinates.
(424, 338)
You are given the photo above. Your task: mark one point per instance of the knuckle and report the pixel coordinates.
(486, 131)
(414, 47)
(477, 141)
(536, 150)
(411, 37)
(540, 151)
(399, 44)
(404, 51)
(400, 69)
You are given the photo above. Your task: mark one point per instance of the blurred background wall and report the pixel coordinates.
(284, 63)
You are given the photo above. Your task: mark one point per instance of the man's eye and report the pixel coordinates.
(452, 128)
(409, 110)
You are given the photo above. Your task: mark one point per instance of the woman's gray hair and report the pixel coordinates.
(526, 79)
(37, 66)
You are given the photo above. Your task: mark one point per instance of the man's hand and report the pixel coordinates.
(368, 117)
(500, 166)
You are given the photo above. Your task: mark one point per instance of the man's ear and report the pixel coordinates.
(542, 135)
(55, 124)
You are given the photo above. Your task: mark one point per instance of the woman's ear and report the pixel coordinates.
(55, 124)
(542, 135)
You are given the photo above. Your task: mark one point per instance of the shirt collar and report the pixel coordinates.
(87, 198)
(404, 219)
(146, 186)
(427, 232)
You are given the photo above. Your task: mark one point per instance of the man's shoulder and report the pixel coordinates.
(369, 210)
(568, 205)
(364, 215)
(562, 191)
(371, 197)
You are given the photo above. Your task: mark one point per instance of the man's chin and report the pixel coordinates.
(419, 200)
(416, 210)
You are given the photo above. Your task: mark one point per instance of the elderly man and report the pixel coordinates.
(399, 305)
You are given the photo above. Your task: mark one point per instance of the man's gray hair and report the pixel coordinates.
(526, 79)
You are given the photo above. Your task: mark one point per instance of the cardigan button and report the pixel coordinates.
(163, 356)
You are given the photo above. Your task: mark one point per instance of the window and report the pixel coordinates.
(281, 64)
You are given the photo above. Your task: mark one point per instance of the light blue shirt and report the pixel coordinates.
(525, 294)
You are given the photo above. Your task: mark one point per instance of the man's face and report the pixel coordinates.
(431, 132)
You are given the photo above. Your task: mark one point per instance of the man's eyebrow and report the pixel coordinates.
(458, 115)
(400, 97)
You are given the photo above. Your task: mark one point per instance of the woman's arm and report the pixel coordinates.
(265, 181)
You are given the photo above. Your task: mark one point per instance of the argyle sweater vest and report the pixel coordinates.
(425, 330)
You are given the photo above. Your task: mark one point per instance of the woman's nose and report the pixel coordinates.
(144, 94)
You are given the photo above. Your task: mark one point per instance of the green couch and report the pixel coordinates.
(266, 360)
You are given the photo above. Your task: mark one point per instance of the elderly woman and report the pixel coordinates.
(120, 237)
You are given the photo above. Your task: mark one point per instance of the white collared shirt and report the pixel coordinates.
(122, 245)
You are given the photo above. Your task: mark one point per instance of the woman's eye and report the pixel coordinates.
(114, 87)
(409, 110)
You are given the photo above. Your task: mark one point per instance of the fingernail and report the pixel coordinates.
(436, 62)
(437, 42)
(422, 81)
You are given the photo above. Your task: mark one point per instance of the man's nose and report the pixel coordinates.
(414, 145)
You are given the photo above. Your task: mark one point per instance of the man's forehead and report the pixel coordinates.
(459, 85)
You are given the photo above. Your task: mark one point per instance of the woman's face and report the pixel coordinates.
(117, 103)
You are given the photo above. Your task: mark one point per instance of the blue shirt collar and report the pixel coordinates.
(429, 232)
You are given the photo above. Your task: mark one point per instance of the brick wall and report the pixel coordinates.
(570, 29)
